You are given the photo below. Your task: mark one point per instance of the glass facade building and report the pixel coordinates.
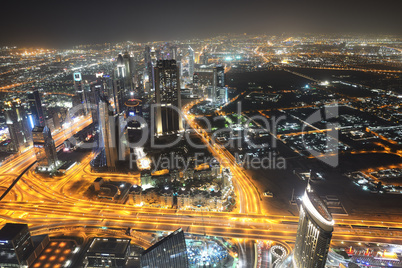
(314, 232)
(170, 252)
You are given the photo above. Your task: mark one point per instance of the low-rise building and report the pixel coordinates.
(107, 252)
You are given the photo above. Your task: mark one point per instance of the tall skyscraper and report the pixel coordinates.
(214, 84)
(154, 58)
(220, 76)
(122, 81)
(148, 65)
(167, 96)
(174, 55)
(112, 135)
(17, 123)
(119, 95)
(120, 67)
(217, 92)
(80, 95)
(204, 58)
(121, 137)
(16, 245)
(314, 232)
(128, 77)
(44, 147)
(190, 62)
(97, 89)
(147, 56)
(127, 65)
(170, 252)
(36, 116)
(106, 134)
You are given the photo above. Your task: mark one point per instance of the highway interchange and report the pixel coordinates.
(48, 205)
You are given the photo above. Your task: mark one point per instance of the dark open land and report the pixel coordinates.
(357, 202)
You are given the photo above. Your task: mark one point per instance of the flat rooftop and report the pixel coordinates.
(57, 254)
(108, 245)
(10, 230)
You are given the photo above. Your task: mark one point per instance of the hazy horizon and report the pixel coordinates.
(66, 24)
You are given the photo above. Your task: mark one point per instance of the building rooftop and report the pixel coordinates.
(108, 245)
(38, 129)
(317, 209)
(319, 206)
(10, 230)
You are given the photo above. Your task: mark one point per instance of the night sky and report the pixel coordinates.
(62, 24)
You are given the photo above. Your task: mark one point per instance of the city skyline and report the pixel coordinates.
(233, 150)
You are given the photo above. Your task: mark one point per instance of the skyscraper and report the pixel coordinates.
(80, 95)
(17, 123)
(35, 110)
(128, 65)
(154, 58)
(97, 89)
(147, 56)
(126, 62)
(149, 70)
(112, 135)
(174, 53)
(106, 141)
(170, 252)
(190, 62)
(214, 84)
(314, 232)
(217, 92)
(44, 147)
(122, 81)
(167, 97)
(16, 245)
(120, 67)
(220, 76)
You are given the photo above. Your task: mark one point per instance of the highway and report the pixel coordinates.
(46, 204)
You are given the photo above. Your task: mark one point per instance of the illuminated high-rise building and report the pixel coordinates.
(217, 92)
(167, 97)
(118, 84)
(122, 81)
(36, 116)
(220, 76)
(170, 252)
(16, 245)
(214, 84)
(147, 56)
(314, 232)
(190, 62)
(80, 95)
(128, 66)
(44, 147)
(119, 95)
(96, 90)
(154, 58)
(17, 123)
(112, 135)
(120, 67)
(204, 58)
(106, 134)
(148, 71)
(173, 55)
